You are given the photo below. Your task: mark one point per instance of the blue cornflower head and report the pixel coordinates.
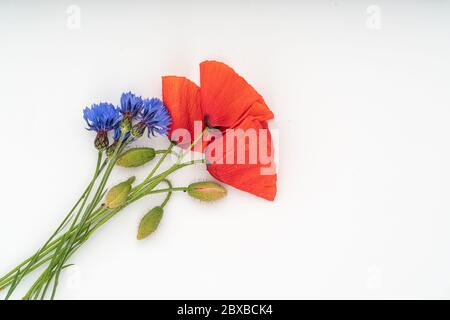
(130, 105)
(102, 117)
(154, 116)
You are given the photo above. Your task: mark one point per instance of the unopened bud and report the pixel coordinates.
(136, 157)
(125, 125)
(138, 130)
(101, 140)
(110, 150)
(207, 191)
(149, 222)
(118, 194)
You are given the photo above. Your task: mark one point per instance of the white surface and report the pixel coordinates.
(362, 110)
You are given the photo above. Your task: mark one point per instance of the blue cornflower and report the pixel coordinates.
(154, 116)
(101, 118)
(130, 105)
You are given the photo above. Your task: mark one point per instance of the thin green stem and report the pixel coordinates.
(196, 140)
(50, 248)
(158, 164)
(165, 150)
(57, 252)
(33, 259)
(184, 189)
(66, 252)
(54, 262)
(155, 180)
(169, 194)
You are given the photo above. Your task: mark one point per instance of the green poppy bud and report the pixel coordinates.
(118, 194)
(149, 222)
(206, 191)
(136, 157)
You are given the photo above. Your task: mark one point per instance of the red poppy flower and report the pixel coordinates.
(226, 101)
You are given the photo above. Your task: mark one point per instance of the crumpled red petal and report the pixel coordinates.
(258, 178)
(227, 98)
(182, 98)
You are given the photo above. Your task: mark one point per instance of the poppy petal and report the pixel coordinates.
(227, 98)
(253, 176)
(182, 98)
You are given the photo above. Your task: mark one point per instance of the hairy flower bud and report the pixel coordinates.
(110, 150)
(136, 157)
(207, 191)
(138, 130)
(118, 194)
(149, 222)
(125, 125)
(101, 140)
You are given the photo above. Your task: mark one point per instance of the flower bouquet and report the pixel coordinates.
(224, 119)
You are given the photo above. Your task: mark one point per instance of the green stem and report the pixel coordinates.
(184, 189)
(158, 164)
(61, 249)
(155, 180)
(62, 258)
(36, 256)
(169, 194)
(196, 140)
(8, 278)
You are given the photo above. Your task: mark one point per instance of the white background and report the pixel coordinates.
(362, 107)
